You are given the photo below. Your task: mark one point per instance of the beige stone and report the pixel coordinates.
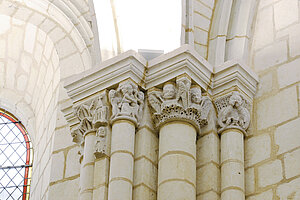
(292, 164)
(232, 146)
(57, 169)
(208, 178)
(208, 149)
(289, 73)
(145, 173)
(211, 195)
(232, 194)
(232, 175)
(265, 84)
(178, 186)
(249, 181)
(257, 149)
(270, 173)
(287, 137)
(142, 192)
(278, 108)
(101, 172)
(30, 36)
(264, 28)
(72, 163)
(268, 195)
(172, 139)
(290, 190)
(64, 190)
(285, 13)
(271, 55)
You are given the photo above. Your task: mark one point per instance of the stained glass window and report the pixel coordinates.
(15, 159)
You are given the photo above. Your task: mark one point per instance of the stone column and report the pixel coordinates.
(92, 116)
(233, 119)
(127, 105)
(179, 112)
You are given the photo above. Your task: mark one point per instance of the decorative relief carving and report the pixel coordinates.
(127, 102)
(233, 112)
(179, 102)
(101, 144)
(93, 117)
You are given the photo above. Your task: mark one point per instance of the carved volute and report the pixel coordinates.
(181, 101)
(233, 112)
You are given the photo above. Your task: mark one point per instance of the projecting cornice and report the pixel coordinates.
(234, 75)
(184, 60)
(224, 79)
(129, 65)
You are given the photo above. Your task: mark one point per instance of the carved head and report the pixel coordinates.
(101, 132)
(169, 91)
(235, 100)
(196, 95)
(126, 89)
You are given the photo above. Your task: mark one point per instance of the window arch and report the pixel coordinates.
(15, 158)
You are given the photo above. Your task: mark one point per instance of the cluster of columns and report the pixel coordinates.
(179, 112)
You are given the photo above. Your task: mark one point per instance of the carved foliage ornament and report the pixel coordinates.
(93, 116)
(179, 102)
(233, 112)
(127, 102)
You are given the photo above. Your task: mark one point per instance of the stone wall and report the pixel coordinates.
(273, 148)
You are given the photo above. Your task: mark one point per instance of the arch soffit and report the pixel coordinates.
(72, 51)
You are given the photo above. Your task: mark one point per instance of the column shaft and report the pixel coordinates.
(87, 168)
(177, 162)
(232, 165)
(121, 161)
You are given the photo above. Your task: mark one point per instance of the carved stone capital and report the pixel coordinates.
(180, 101)
(127, 102)
(233, 112)
(92, 117)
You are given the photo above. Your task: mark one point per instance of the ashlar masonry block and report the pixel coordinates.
(289, 73)
(285, 13)
(270, 173)
(271, 55)
(257, 149)
(292, 164)
(287, 136)
(268, 195)
(277, 109)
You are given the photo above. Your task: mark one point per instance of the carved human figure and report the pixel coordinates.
(196, 97)
(169, 95)
(140, 106)
(100, 148)
(155, 100)
(99, 110)
(183, 92)
(129, 102)
(115, 101)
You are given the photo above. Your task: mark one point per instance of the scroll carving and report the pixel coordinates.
(233, 112)
(127, 102)
(179, 102)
